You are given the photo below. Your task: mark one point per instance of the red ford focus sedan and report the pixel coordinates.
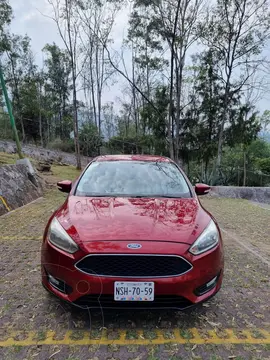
(132, 233)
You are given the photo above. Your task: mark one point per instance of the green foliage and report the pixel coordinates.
(201, 119)
(265, 120)
(257, 155)
(57, 88)
(244, 128)
(156, 122)
(5, 18)
(259, 149)
(90, 141)
(5, 126)
(264, 165)
(123, 145)
(132, 145)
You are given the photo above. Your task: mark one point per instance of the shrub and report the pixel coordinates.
(264, 165)
(62, 145)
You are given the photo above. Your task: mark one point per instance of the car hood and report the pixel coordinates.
(144, 219)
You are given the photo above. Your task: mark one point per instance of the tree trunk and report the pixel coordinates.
(245, 168)
(217, 163)
(40, 129)
(98, 90)
(179, 79)
(75, 122)
(170, 122)
(23, 130)
(17, 97)
(73, 69)
(92, 85)
(134, 100)
(40, 118)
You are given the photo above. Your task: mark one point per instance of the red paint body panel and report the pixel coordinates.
(107, 225)
(87, 219)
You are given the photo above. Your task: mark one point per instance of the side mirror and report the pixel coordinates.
(65, 186)
(202, 189)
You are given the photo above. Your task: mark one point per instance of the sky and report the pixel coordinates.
(28, 19)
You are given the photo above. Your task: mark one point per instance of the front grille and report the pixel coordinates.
(134, 266)
(107, 301)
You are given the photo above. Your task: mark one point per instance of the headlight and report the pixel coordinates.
(59, 238)
(208, 239)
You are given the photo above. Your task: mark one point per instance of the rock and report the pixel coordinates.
(44, 166)
(17, 188)
(28, 164)
(10, 149)
(42, 154)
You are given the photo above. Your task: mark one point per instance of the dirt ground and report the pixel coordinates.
(233, 325)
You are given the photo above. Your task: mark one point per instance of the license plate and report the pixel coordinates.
(133, 291)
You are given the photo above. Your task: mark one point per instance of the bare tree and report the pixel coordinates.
(97, 20)
(68, 24)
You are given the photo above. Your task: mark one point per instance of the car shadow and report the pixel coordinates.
(98, 319)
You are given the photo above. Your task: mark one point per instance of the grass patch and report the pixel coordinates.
(65, 172)
(172, 348)
(96, 334)
(8, 159)
(131, 334)
(168, 335)
(257, 334)
(77, 335)
(186, 334)
(113, 334)
(5, 308)
(132, 348)
(17, 348)
(41, 335)
(113, 348)
(248, 221)
(149, 334)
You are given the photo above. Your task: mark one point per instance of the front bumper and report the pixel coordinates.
(85, 290)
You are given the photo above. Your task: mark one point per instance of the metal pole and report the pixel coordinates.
(12, 121)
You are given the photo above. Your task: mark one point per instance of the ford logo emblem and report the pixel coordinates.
(134, 246)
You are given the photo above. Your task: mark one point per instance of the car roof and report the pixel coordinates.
(132, 158)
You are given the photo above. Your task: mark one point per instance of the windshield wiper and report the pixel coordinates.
(94, 195)
(168, 196)
(157, 196)
(132, 196)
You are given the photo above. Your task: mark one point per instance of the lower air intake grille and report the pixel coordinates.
(107, 301)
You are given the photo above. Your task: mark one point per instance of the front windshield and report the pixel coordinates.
(133, 179)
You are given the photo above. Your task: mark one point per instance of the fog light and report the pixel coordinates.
(212, 282)
(53, 280)
(58, 284)
(207, 287)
